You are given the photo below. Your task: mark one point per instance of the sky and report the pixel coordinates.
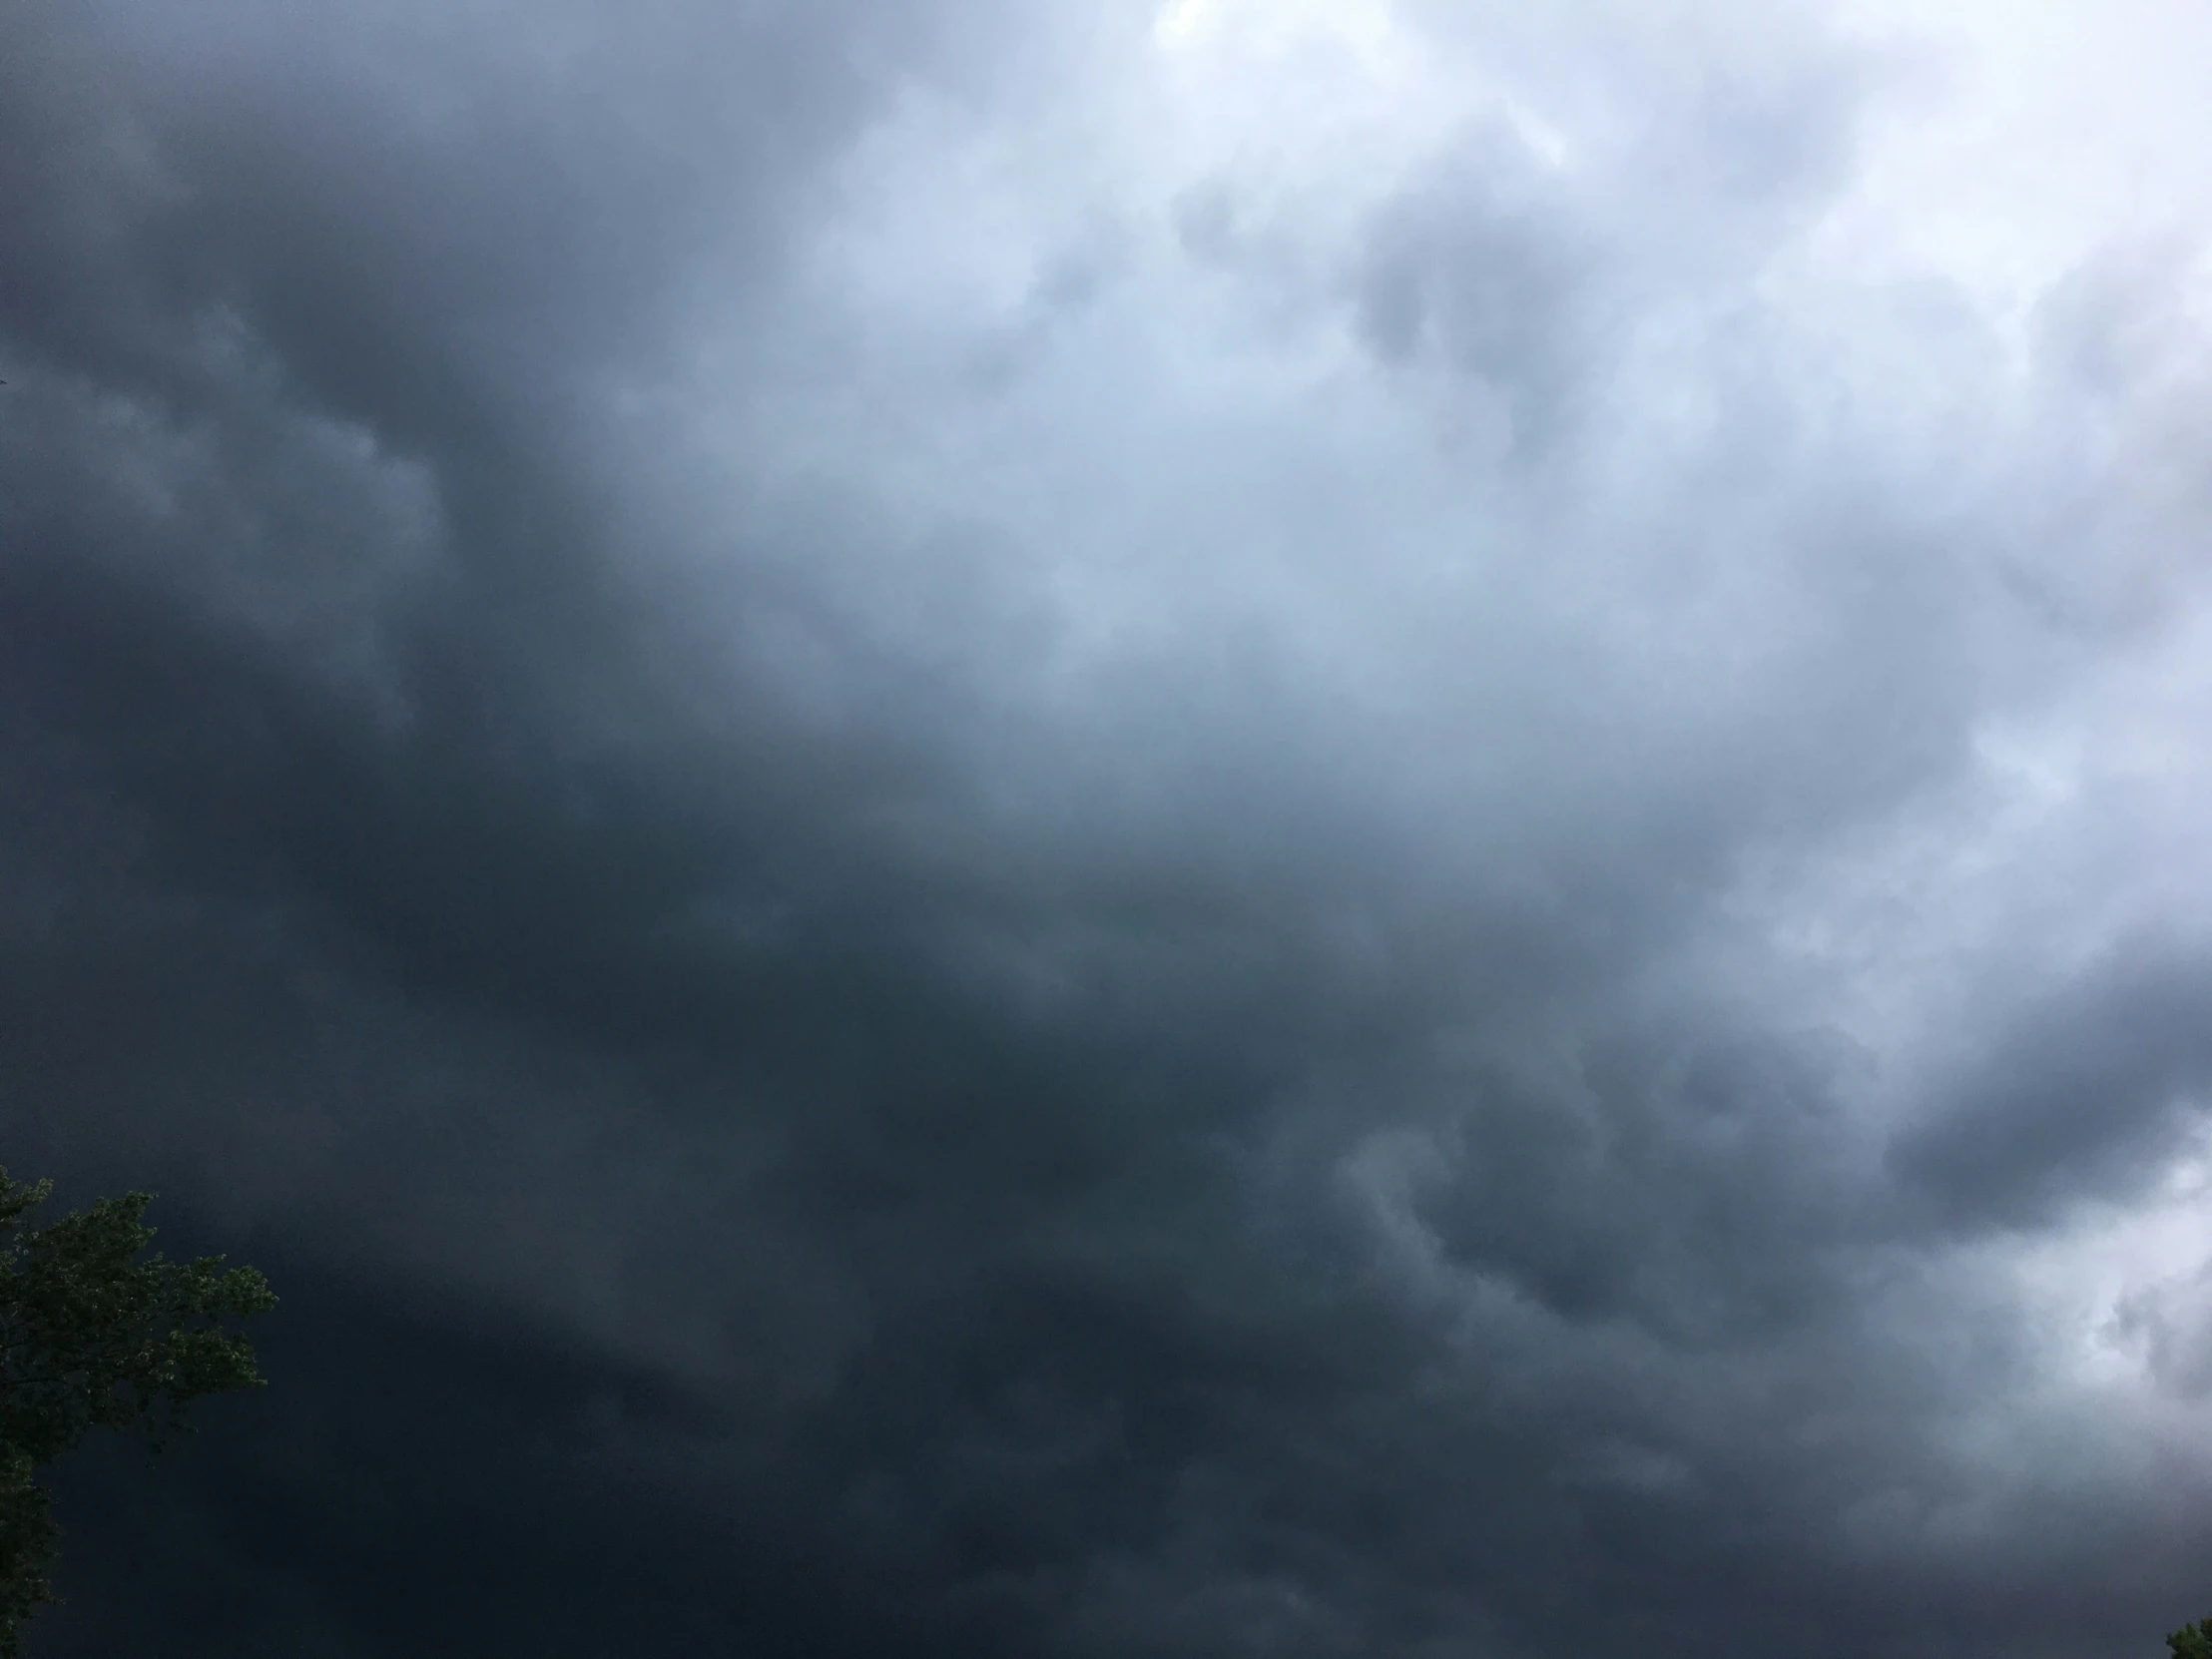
(1251, 827)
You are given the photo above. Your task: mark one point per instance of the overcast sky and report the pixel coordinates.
(1294, 828)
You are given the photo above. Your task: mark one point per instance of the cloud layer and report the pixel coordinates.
(1283, 828)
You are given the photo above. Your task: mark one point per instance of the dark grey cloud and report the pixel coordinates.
(947, 869)
(1494, 288)
(2093, 1088)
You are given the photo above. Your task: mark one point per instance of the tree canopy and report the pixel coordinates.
(93, 1337)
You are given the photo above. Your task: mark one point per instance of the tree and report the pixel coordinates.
(2192, 1641)
(91, 1337)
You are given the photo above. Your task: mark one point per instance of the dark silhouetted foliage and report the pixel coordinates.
(93, 1337)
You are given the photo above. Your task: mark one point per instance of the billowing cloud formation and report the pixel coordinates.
(1289, 829)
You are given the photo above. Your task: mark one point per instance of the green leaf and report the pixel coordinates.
(93, 1337)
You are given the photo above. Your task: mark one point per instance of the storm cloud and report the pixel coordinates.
(1255, 828)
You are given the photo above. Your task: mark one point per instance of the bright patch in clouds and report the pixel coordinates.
(2025, 136)
(1366, 29)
